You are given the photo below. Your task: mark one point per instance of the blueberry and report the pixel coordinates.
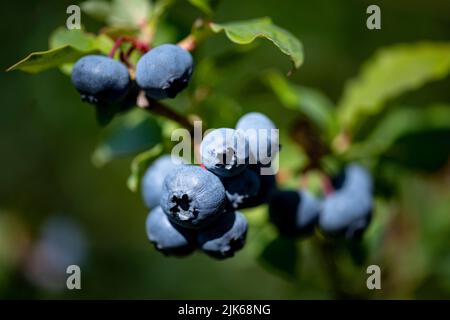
(268, 186)
(224, 152)
(353, 176)
(164, 71)
(100, 79)
(192, 197)
(225, 236)
(357, 177)
(261, 136)
(241, 189)
(294, 212)
(167, 237)
(153, 179)
(348, 210)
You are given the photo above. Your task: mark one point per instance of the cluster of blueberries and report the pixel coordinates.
(162, 73)
(197, 206)
(346, 211)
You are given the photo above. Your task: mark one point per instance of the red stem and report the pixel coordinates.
(130, 51)
(116, 45)
(143, 47)
(124, 59)
(327, 185)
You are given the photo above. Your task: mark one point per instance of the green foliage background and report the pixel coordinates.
(54, 158)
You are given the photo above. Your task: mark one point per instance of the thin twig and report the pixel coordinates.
(189, 43)
(157, 107)
(116, 45)
(200, 31)
(136, 43)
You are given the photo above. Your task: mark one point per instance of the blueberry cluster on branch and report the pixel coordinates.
(198, 205)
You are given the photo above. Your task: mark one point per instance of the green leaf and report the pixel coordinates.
(66, 47)
(165, 33)
(390, 73)
(203, 5)
(129, 13)
(120, 31)
(311, 102)
(399, 123)
(66, 68)
(76, 38)
(97, 9)
(318, 107)
(132, 133)
(280, 255)
(245, 32)
(43, 60)
(139, 164)
(104, 43)
(158, 10)
(80, 40)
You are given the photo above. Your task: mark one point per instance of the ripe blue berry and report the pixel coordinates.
(261, 136)
(100, 79)
(294, 212)
(164, 71)
(354, 177)
(348, 210)
(167, 237)
(225, 236)
(192, 197)
(153, 179)
(224, 152)
(241, 189)
(268, 186)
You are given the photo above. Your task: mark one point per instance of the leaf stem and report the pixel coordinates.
(189, 43)
(200, 31)
(116, 46)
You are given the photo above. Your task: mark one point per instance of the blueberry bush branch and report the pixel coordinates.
(127, 67)
(161, 109)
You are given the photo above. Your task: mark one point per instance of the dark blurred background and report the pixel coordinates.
(47, 137)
